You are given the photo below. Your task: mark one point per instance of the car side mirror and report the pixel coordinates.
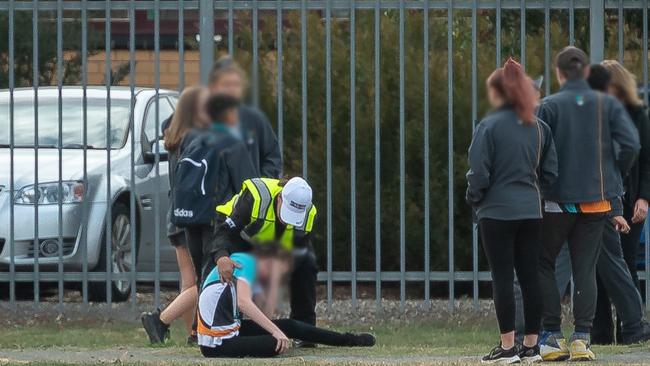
(149, 156)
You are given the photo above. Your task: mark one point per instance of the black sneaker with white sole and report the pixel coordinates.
(502, 356)
(529, 354)
(157, 331)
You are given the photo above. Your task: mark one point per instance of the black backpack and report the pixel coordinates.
(195, 182)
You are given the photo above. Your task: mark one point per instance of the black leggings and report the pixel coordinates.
(508, 245)
(254, 341)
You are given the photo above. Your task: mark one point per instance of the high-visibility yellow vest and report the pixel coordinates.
(261, 228)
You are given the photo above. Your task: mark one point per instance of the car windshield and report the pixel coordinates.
(72, 129)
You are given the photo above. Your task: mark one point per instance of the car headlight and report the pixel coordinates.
(50, 193)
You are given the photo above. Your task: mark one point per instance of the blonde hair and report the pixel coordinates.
(623, 82)
(184, 117)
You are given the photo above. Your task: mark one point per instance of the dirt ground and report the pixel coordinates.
(148, 356)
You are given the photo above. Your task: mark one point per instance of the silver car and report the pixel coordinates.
(75, 192)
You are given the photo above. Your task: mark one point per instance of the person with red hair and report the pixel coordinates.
(511, 158)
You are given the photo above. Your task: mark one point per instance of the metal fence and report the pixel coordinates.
(21, 266)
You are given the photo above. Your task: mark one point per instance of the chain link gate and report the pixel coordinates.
(19, 266)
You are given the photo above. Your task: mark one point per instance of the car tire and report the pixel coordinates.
(121, 257)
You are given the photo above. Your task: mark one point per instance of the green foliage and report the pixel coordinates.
(462, 115)
(389, 119)
(47, 49)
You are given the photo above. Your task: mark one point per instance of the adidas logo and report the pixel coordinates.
(181, 212)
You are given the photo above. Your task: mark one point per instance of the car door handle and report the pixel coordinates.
(146, 202)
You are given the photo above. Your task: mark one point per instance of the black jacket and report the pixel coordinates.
(637, 183)
(586, 127)
(508, 161)
(172, 162)
(261, 142)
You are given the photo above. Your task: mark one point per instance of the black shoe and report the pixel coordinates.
(157, 331)
(192, 340)
(529, 354)
(500, 355)
(602, 340)
(641, 335)
(303, 344)
(362, 340)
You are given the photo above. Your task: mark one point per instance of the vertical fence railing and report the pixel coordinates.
(450, 151)
(43, 269)
(12, 244)
(377, 157)
(84, 108)
(353, 155)
(108, 76)
(132, 202)
(35, 83)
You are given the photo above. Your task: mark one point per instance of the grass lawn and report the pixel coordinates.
(124, 343)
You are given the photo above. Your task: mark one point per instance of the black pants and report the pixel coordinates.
(630, 243)
(615, 283)
(303, 288)
(583, 233)
(513, 246)
(198, 241)
(254, 341)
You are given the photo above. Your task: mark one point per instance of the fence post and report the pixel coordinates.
(597, 30)
(206, 38)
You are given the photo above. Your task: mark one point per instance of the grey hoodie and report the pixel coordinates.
(508, 162)
(586, 127)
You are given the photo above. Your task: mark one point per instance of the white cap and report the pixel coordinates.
(296, 199)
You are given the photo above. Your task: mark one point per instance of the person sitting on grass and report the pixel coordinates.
(223, 333)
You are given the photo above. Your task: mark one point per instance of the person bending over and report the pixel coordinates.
(512, 154)
(223, 333)
(272, 210)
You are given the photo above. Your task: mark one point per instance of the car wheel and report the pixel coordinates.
(121, 261)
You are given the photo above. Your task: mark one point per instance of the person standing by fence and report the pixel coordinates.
(615, 279)
(637, 183)
(177, 131)
(511, 156)
(585, 126)
(210, 171)
(227, 77)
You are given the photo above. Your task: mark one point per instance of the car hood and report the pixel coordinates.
(72, 165)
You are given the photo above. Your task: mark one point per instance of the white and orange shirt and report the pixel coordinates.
(218, 318)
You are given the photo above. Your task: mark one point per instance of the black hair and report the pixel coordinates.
(572, 62)
(599, 77)
(218, 105)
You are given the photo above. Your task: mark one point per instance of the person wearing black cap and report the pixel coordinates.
(586, 125)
